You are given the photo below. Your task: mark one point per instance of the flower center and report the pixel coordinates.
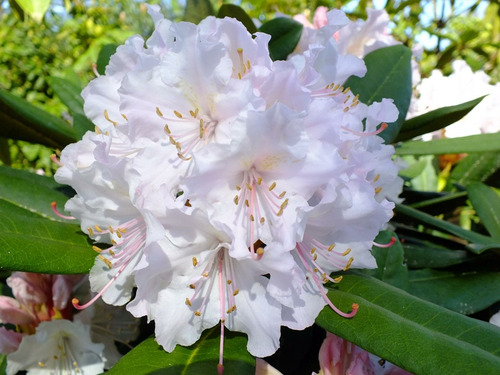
(258, 205)
(191, 131)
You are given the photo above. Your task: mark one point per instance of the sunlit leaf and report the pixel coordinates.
(388, 76)
(472, 143)
(196, 10)
(474, 167)
(34, 8)
(435, 120)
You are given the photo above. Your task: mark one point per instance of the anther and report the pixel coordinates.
(348, 265)
(188, 302)
(338, 279)
(106, 116)
(262, 220)
(273, 185)
(238, 187)
(247, 203)
(195, 262)
(259, 181)
(179, 115)
(98, 249)
(97, 130)
(236, 291)
(41, 364)
(236, 200)
(252, 218)
(197, 313)
(313, 250)
(378, 190)
(282, 194)
(192, 286)
(125, 117)
(158, 112)
(108, 263)
(167, 130)
(249, 187)
(260, 251)
(91, 232)
(229, 282)
(330, 248)
(346, 252)
(97, 228)
(376, 178)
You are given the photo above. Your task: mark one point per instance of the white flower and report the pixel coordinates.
(58, 347)
(223, 180)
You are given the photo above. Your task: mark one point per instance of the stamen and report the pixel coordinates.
(55, 160)
(378, 190)
(195, 262)
(106, 116)
(53, 205)
(382, 127)
(376, 178)
(94, 69)
(178, 114)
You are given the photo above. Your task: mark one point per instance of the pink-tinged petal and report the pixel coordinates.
(320, 17)
(30, 288)
(11, 311)
(9, 340)
(264, 368)
(62, 289)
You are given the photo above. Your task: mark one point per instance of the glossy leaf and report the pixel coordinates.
(474, 167)
(196, 10)
(465, 293)
(487, 205)
(198, 359)
(105, 54)
(285, 35)
(481, 242)
(390, 267)
(32, 192)
(472, 143)
(412, 333)
(231, 10)
(68, 92)
(32, 243)
(23, 121)
(388, 76)
(435, 120)
(421, 256)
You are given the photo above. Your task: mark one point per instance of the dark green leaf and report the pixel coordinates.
(421, 256)
(196, 10)
(82, 124)
(474, 167)
(414, 334)
(390, 267)
(465, 293)
(472, 143)
(23, 121)
(198, 359)
(285, 35)
(435, 120)
(487, 205)
(31, 192)
(482, 242)
(5, 151)
(231, 10)
(31, 243)
(104, 55)
(388, 76)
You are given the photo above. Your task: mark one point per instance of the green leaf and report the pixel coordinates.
(196, 10)
(285, 35)
(487, 205)
(31, 243)
(3, 364)
(388, 76)
(32, 192)
(390, 267)
(68, 92)
(231, 10)
(414, 334)
(474, 167)
(198, 359)
(435, 120)
(105, 54)
(472, 143)
(23, 121)
(421, 256)
(465, 293)
(482, 242)
(34, 8)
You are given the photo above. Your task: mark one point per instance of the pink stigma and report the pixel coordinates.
(57, 213)
(391, 242)
(53, 157)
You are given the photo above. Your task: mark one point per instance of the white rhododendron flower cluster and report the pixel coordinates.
(228, 186)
